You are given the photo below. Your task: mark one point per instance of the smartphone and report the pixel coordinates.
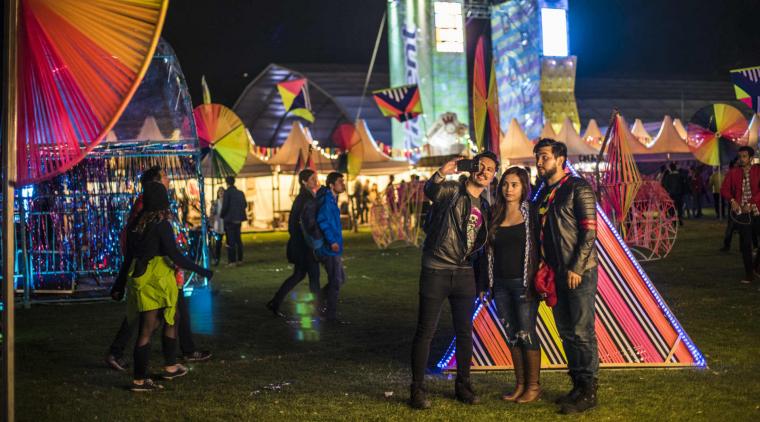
(467, 165)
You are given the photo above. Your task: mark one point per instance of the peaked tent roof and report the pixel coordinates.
(575, 145)
(680, 128)
(374, 161)
(634, 325)
(593, 136)
(641, 133)
(514, 146)
(668, 141)
(299, 144)
(548, 131)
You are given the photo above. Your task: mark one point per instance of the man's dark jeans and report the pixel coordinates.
(458, 286)
(518, 312)
(128, 328)
(336, 276)
(747, 233)
(234, 242)
(308, 266)
(574, 315)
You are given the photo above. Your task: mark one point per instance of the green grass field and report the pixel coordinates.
(350, 371)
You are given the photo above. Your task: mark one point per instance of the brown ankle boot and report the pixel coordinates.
(532, 373)
(517, 360)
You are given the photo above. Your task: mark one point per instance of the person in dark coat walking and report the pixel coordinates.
(299, 253)
(233, 213)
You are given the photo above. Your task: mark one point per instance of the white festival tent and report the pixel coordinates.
(641, 133)
(548, 131)
(515, 147)
(576, 146)
(680, 128)
(668, 145)
(593, 136)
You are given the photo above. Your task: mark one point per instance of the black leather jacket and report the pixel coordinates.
(571, 228)
(446, 224)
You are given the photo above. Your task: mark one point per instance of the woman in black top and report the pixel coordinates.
(512, 262)
(149, 260)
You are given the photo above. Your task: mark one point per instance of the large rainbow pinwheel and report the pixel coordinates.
(223, 139)
(79, 63)
(713, 132)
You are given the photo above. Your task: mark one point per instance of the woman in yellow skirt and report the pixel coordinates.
(152, 290)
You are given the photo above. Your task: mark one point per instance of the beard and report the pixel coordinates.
(478, 183)
(549, 173)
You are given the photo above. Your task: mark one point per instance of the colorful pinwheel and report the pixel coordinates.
(713, 132)
(79, 63)
(224, 140)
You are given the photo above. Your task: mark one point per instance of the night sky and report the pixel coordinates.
(665, 39)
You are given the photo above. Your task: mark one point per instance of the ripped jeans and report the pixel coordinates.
(517, 313)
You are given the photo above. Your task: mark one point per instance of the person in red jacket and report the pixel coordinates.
(741, 188)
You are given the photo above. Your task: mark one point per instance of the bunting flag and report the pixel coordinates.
(402, 103)
(206, 92)
(295, 98)
(747, 86)
(634, 326)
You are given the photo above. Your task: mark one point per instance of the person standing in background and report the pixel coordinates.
(233, 214)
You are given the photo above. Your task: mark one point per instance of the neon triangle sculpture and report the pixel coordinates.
(634, 326)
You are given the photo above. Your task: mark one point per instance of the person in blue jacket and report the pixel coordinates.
(331, 248)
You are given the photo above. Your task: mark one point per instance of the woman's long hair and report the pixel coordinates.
(500, 206)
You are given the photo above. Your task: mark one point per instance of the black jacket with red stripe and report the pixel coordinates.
(570, 229)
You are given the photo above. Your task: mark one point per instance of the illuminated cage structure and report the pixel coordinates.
(68, 229)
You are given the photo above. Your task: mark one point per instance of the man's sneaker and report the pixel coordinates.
(118, 364)
(181, 371)
(198, 356)
(147, 385)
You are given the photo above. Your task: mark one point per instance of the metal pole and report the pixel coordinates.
(8, 181)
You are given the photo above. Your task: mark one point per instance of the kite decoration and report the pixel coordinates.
(747, 86)
(78, 68)
(402, 103)
(485, 102)
(224, 140)
(295, 98)
(713, 133)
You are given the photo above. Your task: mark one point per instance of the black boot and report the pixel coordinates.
(572, 395)
(418, 398)
(585, 401)
(464, 392)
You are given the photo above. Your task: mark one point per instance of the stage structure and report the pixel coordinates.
(635, 328)
(426, 46)
(510, 59)
(68, 234)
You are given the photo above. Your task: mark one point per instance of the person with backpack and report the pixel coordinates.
(299, 252)
(329, 248)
